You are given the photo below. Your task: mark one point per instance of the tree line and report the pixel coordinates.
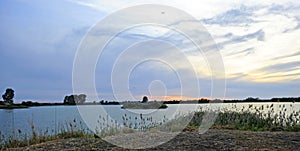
(8, 98)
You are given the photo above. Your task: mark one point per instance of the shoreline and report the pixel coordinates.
(213, 139)
(13, 107)
(36, 104)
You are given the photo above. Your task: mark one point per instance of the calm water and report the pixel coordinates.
(52, 119)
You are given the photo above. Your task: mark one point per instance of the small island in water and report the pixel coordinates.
(144, 104)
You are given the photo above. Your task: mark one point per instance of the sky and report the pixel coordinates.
(259, 43)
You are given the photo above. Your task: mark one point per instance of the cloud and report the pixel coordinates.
(246, 45)
(265, 37)
(282, 67)
(234, 17)
(289, 9)
(244, 89)
(279, 72)
(259, 42)
(246, 51)
(259, 35)
(295, 54)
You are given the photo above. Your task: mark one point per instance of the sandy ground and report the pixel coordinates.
(214, 139)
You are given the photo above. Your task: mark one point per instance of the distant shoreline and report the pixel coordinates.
(200, 101)
(13, 106)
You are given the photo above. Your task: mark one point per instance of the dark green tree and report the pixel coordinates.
(66, 100)
(69, 100)
(145, 99)
(81, 98)
(8, 96)
(75, 99)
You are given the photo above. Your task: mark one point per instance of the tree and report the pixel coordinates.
(8, 96)
(102, 102)
(66, 101)
(69, 100)
(81, 98)
(145, 99)
(251, 99)
(75, 99)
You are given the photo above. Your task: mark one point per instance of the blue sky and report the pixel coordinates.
(259, 42)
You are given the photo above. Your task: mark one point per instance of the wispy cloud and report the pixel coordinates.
(254, 36)
(248, 35)
(235, 17)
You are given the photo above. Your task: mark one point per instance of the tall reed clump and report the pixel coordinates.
(129, 124)
(106, 126)
(256, 118)
(73, 129)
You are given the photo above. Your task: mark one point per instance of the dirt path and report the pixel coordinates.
(211, 140)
